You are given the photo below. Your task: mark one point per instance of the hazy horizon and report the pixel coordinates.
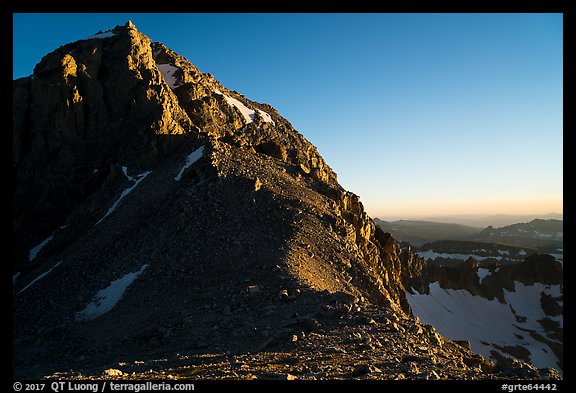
(418, 114)
(477, 220)
(517, 207)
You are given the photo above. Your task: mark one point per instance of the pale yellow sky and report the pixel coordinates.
(413, 209)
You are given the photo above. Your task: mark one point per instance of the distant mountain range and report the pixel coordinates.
(546, 235)
(482, 221)
(536, 233)
(419, 232)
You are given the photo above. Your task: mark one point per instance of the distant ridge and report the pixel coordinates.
(420, 232)
(481, 220)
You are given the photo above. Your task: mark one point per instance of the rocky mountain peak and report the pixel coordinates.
(157, 211)
(130, 25)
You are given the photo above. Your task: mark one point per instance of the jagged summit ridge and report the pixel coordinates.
(202, 220)
(127, 96)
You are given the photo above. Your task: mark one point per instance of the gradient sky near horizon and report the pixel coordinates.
(419, 114)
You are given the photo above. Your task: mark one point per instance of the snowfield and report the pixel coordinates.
(459, 315)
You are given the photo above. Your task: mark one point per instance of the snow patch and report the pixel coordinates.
(125, 172)
(246, 112)
(191, 159)
(558, 257)
(482, 273)
(136, 181)
(107, 298)
(34, 251)
(522, 252)
(525, 299)
(167, 71)
(39, 277)
(265, 116)
(559, 319)
(106, 34)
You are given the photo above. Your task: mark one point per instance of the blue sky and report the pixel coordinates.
(419, 114)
